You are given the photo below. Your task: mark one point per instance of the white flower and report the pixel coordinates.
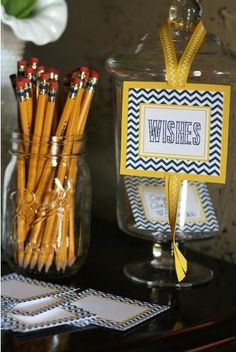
(46, 24)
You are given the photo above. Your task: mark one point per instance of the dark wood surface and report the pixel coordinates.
(200, 319)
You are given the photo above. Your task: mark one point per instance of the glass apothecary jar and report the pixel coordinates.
(46, 227)
(204, 209)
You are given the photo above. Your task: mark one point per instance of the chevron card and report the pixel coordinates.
(181, 131)
(114, 312)
(57, 316)
(196, 215)
(18, 289)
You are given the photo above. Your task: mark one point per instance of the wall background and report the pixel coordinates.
(96, 29)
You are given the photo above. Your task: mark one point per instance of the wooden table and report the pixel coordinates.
(200, 319)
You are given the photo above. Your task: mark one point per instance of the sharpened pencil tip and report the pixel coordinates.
(33, 263)
(21, 258)
(40, 266)
(49, 263)
(26, 261)
(58, 266)
(71, 261)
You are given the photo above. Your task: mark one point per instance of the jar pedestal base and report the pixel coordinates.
(149, 274)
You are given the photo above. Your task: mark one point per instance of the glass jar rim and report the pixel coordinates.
(52, 147)
(20, 137)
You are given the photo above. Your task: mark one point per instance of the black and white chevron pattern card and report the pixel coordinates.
(115, 312)
(17, 289)
(181, 131)
(54, 317)
(39, 305)
(196, 215)
(29, 305)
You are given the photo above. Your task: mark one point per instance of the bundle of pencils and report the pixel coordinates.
(52, 119)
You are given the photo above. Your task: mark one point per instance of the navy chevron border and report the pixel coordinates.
(150, 310)
(162, 230)
(211, 99)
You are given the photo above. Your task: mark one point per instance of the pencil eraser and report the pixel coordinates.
(94, 74)
(29, 70)
(53, 84)
(20, 83)
(34, 60)
(44, 76)
(52, 69)
(26, 80)
(76, 80)
(21, 63)
(84, 69)
(41, 69)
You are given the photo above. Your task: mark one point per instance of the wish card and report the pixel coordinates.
(147, 199)
(114, 312)
(39, 305)
(51, 318)
(17, 288)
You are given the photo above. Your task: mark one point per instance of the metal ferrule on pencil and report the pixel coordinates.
(21, 65)
(52, 95)
(91, 84)
(73, 91)
(84, 77)
(39, 72)
(28, 92)
(32, 79)
(21, 71)
(21, 94)
(43, 87)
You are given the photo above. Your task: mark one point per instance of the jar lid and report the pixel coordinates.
(146, 60)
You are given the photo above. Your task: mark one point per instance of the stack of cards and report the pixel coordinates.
(29, 305)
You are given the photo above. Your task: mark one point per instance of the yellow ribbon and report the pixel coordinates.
(177, 75)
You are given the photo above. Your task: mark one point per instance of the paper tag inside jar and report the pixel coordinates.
(147, 199)
(177, 131)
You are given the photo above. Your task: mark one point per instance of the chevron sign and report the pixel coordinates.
(166, 130)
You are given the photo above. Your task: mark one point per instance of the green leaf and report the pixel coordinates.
(19, 8)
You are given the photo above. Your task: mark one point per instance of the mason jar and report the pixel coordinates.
(203, 209)
(46, 227)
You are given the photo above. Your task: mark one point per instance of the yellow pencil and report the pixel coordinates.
(44, 146)
(38, 127)
(21, 171)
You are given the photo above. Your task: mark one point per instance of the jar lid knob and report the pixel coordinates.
(185, 13)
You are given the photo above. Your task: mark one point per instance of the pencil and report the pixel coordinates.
(28, 94)
(21, 171)
(44, 145)
(21, 66)
(39, 71)
(39, 119)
